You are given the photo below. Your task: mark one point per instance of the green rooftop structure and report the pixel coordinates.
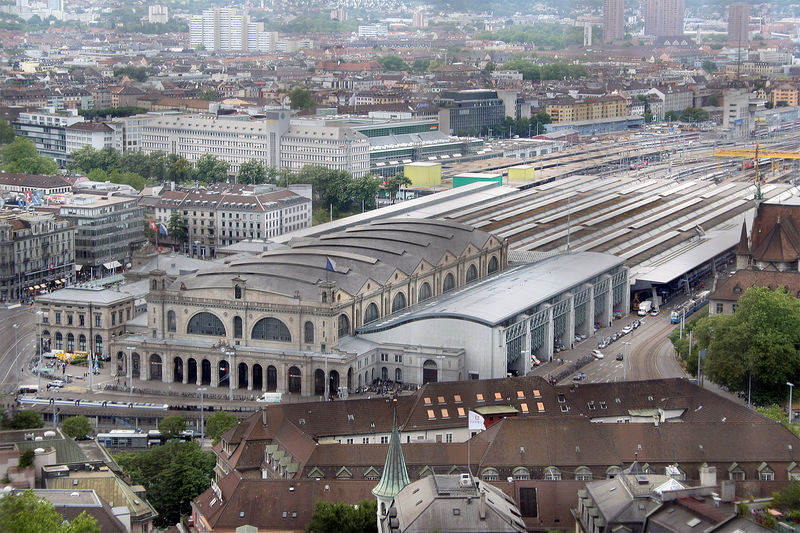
(394, 476)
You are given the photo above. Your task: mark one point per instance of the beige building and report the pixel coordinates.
(785, 93)
(37, 253)
(570, 110)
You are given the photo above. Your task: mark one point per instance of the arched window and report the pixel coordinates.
(384, 373)
(308, 332)
(449, 283)
(472, 273)
(399, 302)
(324, 297)
(583, 473)
(344, 326)
(521, 473)
(205, 324)
(493, 265)
(271, 329)
(82, 342)
(489, 474)
(237, 327)
(612, 472)
(424, 292)
(59, 341)
(237, 292)
(551, 473)
(171, 321)
(70, 342)
(98, 344)
(398, 375)
(371, 314)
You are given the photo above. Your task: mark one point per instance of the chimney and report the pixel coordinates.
(482, 508)
(727, 490)
(264, 417)
(708, 476)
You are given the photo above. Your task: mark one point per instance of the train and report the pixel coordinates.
(689, 306)
(91, 403)
(129, 438)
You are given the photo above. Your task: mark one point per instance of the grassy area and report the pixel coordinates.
(322, 215)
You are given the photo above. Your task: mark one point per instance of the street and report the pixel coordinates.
(17, 346)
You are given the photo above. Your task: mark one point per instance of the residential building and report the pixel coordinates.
(663, 17)
(787, 93)
(224, 29)
(569, 109)
(158, 14)
(725, 298)
(613, 20)
(674, 97)
(70, 503)
(373, 30)
(225, 214)
(98, 135)
(48, 131)
(37, 252)
(108, 230)
(418, 19)
(88, 318)
(44, 186)
(470, 112)
(738, 22)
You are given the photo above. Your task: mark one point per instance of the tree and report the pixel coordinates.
(6, 132)
(172, 426)
(178, 168)
(26, 458)
(24, 512)
(210, 169)
(671, 116)
(392, 63)
(76, 426)
(173, 475)
(364, 190)
(789, 497)
(301, 99)
(21, 156)
(394, 184)
(694, 114)
(757, 345)
(252, 173)
(26, 420)
(339, 517)
(175, 227)
(219, 423)
(709, 66)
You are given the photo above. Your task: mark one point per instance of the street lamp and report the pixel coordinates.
(130, 370)
(625, 362)
(230, 374)
(201, 390)
(39, 364)
(16, 357)
(791, 387)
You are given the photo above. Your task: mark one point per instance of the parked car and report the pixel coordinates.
(55, 384)
(602, 345)
(579, 376)
(614, 336)
(597, 354)
(654, 312)
(627, 329)
(619, 356)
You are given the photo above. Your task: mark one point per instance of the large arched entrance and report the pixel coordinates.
(430, 372)
(177, 370)
(155, 367)
(191, 370)
(224, 373)
(272, 379)
(295, 380)
(319, 382)
(333, 383)
(243, 376)
(258, 378)
(121, 364)
(205, 372)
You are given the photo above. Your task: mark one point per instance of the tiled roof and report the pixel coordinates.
(730, 289)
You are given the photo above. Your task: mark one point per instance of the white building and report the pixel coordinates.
(158, 14)
(95, 134)
(47, 130)
(373, 30)
(314, 143)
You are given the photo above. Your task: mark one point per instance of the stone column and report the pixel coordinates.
(185, 365)
(214, 372)
(199, 366)
(144, 366)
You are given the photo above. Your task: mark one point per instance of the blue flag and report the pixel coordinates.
(162, 229)
(330, 265)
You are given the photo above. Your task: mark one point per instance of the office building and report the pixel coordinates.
(37, 253)
(613, 20)
(663, 17)
(310, 142)
(738, 22)
(48, 131)
(470, 112)
(108, 230)
(95, 134)
(373, 30)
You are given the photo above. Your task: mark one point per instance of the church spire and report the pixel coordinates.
(395, 475)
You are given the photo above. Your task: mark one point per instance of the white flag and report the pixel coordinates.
(476, 421)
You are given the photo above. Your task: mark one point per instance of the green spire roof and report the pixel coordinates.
(395, 475)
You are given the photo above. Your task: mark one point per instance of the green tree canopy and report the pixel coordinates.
(364, 191)
(546, 35)
(394, 184)
(6, 132)
(342, 518)
(26, 420)
(392, 63)
(219, 423)
(175, 227)
(134, 73)
(172, 426)
(173, 475)
(24, 512)
(301, 99)
(76, 427)
(21, 156)
(210, 169)
(694, 114)
(760, 342)
(252, 172)
(548, 71)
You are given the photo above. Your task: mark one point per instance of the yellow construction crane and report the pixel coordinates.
(755, 154)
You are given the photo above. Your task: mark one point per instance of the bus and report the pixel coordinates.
(123, 438)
